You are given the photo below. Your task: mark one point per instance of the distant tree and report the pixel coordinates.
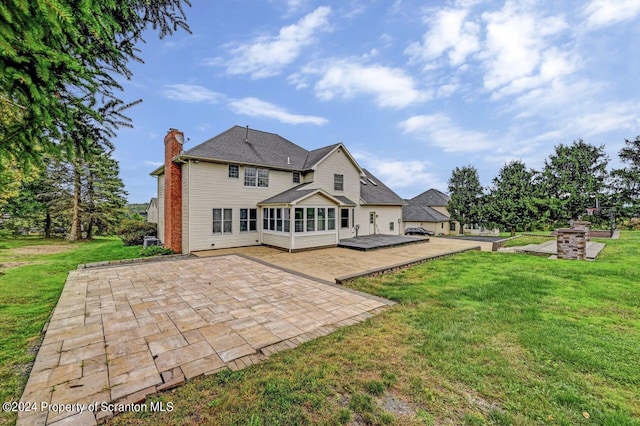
(466, 196)
(104, 195)
(625, 182)
(510, 203)
(573, 177)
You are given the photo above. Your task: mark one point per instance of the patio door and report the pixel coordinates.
(372, 222)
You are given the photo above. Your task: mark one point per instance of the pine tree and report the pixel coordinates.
(465, 205)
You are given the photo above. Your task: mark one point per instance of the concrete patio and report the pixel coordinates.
(121, 333)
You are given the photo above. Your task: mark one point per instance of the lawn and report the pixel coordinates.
(478, 338)
(32, 274)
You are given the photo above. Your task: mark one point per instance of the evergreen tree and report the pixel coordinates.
(510, 203)
(465, 205)
(573, 177)
(626, 181)
(58, 61)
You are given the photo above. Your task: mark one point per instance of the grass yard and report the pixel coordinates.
(528, 239)
(32, 275)
(478, 338)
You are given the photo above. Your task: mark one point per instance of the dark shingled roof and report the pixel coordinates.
(317, 155)
(257, 148)
(431, 197)
(421, 213)
(378, 194)
(289, 195)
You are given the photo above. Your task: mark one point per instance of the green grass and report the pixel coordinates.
(28, 294)
(528, 239)
(478, 338)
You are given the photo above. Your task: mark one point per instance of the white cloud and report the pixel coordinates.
(440, 131)
(192, 93)
(153, 163)
(602, 13)
(267, 55)
(449, 32)
(254, 107)
(390, 87)
(400, 174)
(517, 53)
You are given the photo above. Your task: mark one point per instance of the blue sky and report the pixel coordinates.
(412, 88)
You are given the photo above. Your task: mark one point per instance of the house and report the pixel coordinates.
(247, 187)
(152, 210)
(429, 211)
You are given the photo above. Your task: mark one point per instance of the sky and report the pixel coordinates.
(412, 88)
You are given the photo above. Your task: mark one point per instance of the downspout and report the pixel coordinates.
(189, 208)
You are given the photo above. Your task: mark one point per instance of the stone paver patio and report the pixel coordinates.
(122, 333)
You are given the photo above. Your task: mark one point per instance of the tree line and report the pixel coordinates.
(574, 178)
(59, 106)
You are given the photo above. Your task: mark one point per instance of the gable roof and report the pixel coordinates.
(250, 146)
(431, 197)
(378, 193)
(422, 213)
(297, 194)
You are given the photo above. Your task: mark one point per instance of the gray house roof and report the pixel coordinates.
(300, 192)
(250, 146)
(431, 197)
(421, 213)
(375, 192)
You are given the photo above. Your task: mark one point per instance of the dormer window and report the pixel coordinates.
(296, 177)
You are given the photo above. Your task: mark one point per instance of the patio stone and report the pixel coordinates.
(124, 332)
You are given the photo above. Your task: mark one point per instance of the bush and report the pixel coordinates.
(132, 232)
(156, 251)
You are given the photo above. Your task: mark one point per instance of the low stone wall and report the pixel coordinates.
(572, 243)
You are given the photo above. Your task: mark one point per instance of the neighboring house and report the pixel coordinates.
(247, 187)
(429, 211)
(152, 211)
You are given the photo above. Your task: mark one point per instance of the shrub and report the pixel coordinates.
(156, 251)
(132, 232)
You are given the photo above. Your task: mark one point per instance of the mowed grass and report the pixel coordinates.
(478, 338)
(32, 276)
(528, 239)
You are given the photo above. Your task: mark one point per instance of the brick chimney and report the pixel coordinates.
(173, 191)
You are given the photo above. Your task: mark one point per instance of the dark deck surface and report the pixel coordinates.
(378, 241)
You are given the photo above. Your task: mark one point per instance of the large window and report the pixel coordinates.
(234, 171)
(275, 219)
(344, 218)
(312, 219)
(338, 182)
(222, 221)
(248, 220)
(256, 177)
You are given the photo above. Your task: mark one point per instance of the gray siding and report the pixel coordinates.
(161, 208)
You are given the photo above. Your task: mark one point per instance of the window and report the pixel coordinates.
(234, 171)
(256, 177)
(311, 222)
(276, 219)
(296, 177)
(263, 178)
(390, 226)
(344, 218)
(299, 219)
(452, 226)
(338, 182)
(248, 220)
(331, 219)
(372, 217)
(222, 221)
(249, 176)
(322, 218)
